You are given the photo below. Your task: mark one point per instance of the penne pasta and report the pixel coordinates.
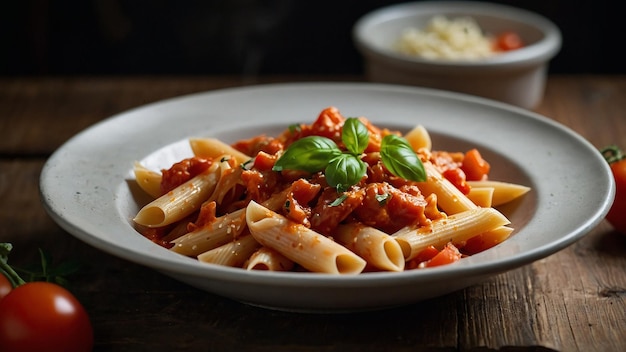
(179, 230)
(449, 198)
(377, 248)
(148, 180)
(234, 253)
(180, 202)
(419, 138)
(487, 240)
(503, 192)
(230, 176)
(214, 148)
(266, 258)
(304, 246)
(457, 228)
(218, 232)
(481, 196)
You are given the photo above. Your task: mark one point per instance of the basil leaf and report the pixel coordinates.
(344, 171)
(309, 154)
(355, 135)
(400, 159)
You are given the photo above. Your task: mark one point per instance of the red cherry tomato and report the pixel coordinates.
(5, 286)
(617, 162)
(42, 316)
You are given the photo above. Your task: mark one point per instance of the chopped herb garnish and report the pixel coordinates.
(339, 200)
(382, 198)
(295, 128)
(287, 205)
(248, 164)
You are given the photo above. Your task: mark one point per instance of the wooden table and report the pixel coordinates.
(574, 300)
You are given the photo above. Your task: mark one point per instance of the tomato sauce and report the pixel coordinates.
(380, 200)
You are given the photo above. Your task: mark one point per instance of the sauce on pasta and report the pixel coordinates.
(304, 203)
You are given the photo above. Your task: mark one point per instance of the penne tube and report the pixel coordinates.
(234, 253)
(503, 192)
(304, 246)
(214, 148)
(179, 202)
(486, 240)
(498, 235)
(419, 138)
(148, 180)
(223, 230)
(379, 249)
(451, 200)
(230, 175)
(456, 228)
(277, 200)
(179, 230)
(266, 258)
(481, 196)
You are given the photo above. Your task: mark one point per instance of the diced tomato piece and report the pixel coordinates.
(449, 254)
(328, 124)
(260, 143)
(474, 166)
(264, 161)
(182, 172)
(427, 254)
(458, 178)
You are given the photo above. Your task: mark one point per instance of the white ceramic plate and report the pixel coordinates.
(87, 185)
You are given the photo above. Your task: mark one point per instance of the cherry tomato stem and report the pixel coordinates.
(612, 154)
(7, 270)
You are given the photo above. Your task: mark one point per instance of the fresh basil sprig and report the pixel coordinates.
(311, 154)
(355, 136)
(400, 159)
(345, 169)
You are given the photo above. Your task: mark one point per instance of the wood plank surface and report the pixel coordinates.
(574, 300)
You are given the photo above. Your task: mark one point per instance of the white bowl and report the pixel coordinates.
(88, 187)
(516, 77)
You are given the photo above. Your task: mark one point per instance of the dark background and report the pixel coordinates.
(248, 37)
